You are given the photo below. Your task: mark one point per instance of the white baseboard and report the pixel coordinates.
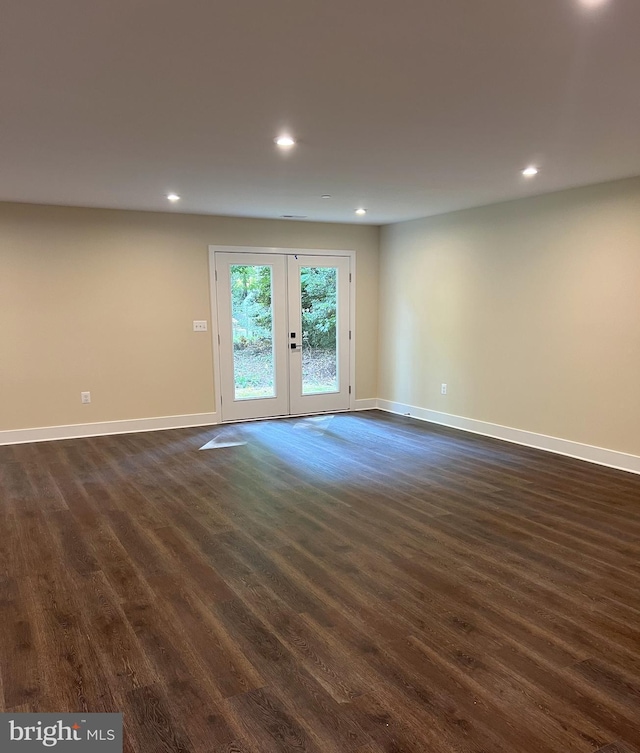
(599, 455)
(369, 404)
(75, 431)
(130, 426)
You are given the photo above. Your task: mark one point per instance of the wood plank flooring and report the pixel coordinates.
(361, 583)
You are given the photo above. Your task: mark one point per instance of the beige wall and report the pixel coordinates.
(528, 310)
(104, 301)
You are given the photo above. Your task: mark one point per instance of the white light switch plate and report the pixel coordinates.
(199, 326)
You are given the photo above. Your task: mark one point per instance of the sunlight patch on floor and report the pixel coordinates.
(225, 438)
(318, 424)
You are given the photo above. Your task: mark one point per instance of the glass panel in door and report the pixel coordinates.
(319, 304)
(252, 321)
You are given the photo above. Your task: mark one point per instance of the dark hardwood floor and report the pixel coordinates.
(355, 584)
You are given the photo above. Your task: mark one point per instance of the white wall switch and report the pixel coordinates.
(85, 397)
(443, 389)
(199, 326)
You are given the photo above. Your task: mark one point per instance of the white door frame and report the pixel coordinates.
(217, 378)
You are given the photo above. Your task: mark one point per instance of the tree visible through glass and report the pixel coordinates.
(319, 302)
(252, 317)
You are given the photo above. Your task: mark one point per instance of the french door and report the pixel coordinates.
(283, 334)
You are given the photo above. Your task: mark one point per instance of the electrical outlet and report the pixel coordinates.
(199, 326)
(443, 389)
(85, 397)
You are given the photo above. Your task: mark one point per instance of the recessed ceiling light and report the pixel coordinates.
(326, 196)
(294, 216)
(285, 141)
(173, 197)
(530, 171)
(361, 211)
(593, 3)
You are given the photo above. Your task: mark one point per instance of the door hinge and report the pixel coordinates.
(349, 334)
(218, 339)
(349, 276)
(349, 389)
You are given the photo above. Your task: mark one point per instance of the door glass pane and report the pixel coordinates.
(252, 317)
(319, 297)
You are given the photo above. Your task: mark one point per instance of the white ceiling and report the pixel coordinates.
(407, 107)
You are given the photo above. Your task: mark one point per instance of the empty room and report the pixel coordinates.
(319, 376)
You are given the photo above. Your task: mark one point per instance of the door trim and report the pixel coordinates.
(213, 305)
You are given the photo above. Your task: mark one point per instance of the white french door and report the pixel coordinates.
(318, 304)
(283, 334)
